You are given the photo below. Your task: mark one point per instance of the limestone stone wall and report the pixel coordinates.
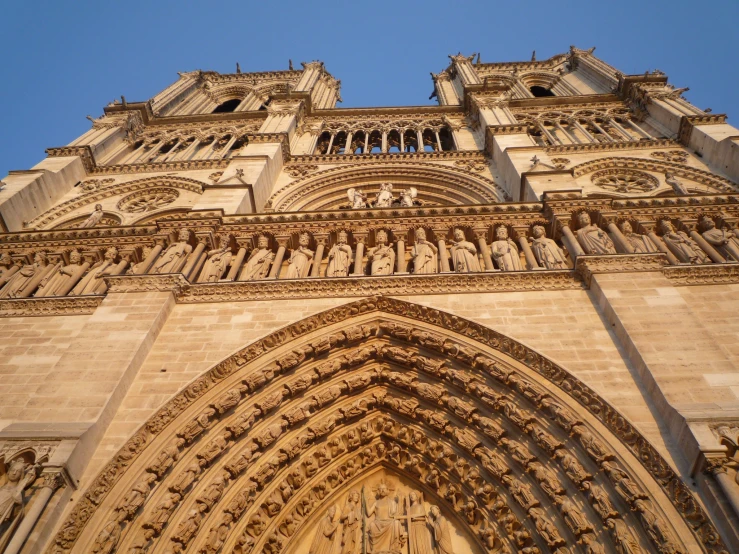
(563, 325)
(29, 349)
(651, 349)
(195, 338)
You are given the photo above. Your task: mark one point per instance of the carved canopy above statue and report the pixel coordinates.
(481, 445)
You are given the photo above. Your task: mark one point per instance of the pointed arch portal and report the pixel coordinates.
(267, 449)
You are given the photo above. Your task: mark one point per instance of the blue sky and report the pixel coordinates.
(63, 60)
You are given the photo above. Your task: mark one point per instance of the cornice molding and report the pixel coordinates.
(713, 274)
(52, 306)
(608, 146)
(386, 157)
(443, 283)
(387, 111)
(689, 121)
(92, 167)
(587, 266)
(169, 282)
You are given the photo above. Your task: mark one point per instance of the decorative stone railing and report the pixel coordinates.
(558, 243)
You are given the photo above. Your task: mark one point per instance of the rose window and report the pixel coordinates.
(625, 182)
(147, 201)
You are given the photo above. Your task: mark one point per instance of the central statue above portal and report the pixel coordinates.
(384, 518)
(384, 533)
(384, 198)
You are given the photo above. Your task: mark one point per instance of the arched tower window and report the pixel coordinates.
(323, 143)
(540, 92)
(393, 141)
(375, 142)
(228, 106)
(410, 141)
(339, 143)
(358, 143)
(237, 145)
(429, 141)
(446, 140)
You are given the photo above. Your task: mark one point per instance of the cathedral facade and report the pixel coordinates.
(235, 318)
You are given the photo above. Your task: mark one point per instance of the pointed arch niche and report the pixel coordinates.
(517, 454)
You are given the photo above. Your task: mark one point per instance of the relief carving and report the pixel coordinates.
(300, 259)
(656, 528)
(573, 517)
(94, 218)
(641, 244)
(599, 499)
(625, 486)
(725, 241)
(173, 259)
(218, 534)
(505, 251)
(215, 264)
(339, 257)
(547, 252)
(381, 256)
(624, 539)
(464, 254)
(62, 279)
(592, 238)
(244, 422)
(450, 464)
(137, 495)
(19, 476)
(681, 245)
(162, 512)
(25, 281)
(93, 282)
(424, 254)
(259, 261)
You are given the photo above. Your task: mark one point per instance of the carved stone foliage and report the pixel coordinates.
(624, 181)
(252, 455)
(672, 156)
(298, 170)
(91, 185)
(472, 165)
(25, 307)
(560, 163)
(148, 200)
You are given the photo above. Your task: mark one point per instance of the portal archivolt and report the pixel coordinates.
(252, 456)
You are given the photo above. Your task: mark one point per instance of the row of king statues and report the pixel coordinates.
(77, 276)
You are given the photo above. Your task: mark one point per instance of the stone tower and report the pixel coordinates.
(235, 318)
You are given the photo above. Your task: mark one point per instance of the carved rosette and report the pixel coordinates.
(624, 181)
(147, 201)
